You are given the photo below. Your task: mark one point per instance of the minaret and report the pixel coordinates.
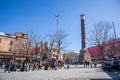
(84, 54)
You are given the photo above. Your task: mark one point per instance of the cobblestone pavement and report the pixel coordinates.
(78, 73)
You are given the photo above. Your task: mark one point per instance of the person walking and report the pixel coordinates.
(85, 65)
(0, 64)
(95, 63)
(8, 67)
(91, 63)
(28, 66)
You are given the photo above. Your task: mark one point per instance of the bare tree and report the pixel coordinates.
(52, 39)
(20, 47)
(44, 53)
(39, 48)
(36, 43)
(13, 50)
(100, 34)
(31, 38)
(70, 57)
(59, 39)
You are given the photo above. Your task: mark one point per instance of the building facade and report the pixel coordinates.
(111, 49)
(15, 47)
(12, 44)
(45, 51)
(71, 58)
(55, 55)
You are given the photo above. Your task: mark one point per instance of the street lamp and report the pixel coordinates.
(57, 17)
(57, 35)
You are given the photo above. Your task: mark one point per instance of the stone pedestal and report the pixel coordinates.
(84, 55)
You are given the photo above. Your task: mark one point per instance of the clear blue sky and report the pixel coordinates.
(19, 15)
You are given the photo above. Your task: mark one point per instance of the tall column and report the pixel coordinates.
(83, 30)
(84, 54)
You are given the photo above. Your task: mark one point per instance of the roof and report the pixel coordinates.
(1, 33)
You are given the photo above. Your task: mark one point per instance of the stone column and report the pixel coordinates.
(83, 31)
(84, 54)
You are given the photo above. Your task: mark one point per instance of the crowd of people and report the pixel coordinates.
(27, 66)
(111, 64)
(9, 66)
(90, 64)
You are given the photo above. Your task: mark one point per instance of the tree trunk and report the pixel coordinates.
(41, 57)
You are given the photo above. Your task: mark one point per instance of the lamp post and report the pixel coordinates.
(57, 17)
(57, 35)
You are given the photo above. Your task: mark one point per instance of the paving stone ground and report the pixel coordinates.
(74, 73)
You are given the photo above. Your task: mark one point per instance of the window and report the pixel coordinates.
(0, 40)
(22, 45)
(119, 50)
(11, 42)
(53, 55)
(22, 35)
(10, 49)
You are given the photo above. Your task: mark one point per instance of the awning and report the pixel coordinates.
(5, 54)
(117, 55)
